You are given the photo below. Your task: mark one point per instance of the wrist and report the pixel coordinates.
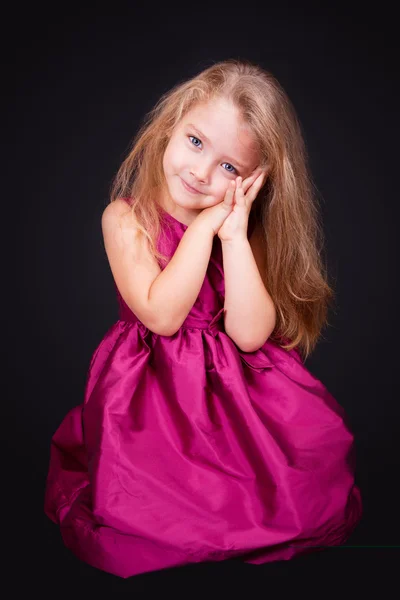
(200, 226)
(234, 242)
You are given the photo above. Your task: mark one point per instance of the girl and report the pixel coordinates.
(202, 435)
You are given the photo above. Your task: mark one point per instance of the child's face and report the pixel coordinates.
(209, 148)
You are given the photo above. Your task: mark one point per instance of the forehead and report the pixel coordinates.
(221, 122)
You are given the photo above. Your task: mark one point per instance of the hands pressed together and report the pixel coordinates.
(229, 218)
(239, 198)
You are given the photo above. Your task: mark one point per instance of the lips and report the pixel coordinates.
(189, 188)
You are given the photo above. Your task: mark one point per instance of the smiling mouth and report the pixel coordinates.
(189, 188)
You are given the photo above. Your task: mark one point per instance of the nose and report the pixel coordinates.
(201, 171)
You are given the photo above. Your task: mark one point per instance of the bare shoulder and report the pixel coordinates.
(133, 266)
(123, 236)
(119, 224)
(118, 211)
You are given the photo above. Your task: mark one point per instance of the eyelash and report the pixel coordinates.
(232, 172)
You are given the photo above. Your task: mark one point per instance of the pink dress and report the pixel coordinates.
(187, 449)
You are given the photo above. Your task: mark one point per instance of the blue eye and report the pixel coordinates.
(192, 137)
(234, 170)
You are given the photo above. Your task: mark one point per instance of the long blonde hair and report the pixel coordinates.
(286, 207)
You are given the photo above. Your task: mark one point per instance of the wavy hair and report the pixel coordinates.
(286, 207)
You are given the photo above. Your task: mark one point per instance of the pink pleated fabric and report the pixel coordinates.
(187, 449)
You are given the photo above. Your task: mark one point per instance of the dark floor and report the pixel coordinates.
(55, 565)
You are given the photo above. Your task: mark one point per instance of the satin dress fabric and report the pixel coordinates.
(186, 449)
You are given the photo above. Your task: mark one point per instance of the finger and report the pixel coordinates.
(239, 194)
(253, 175)
(229, 194)
(256, 186)
(251, 179)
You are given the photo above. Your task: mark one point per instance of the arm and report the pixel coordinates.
(250, 312)
(161, 300)
(174, 292)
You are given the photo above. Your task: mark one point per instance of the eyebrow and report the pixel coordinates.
(239, 164)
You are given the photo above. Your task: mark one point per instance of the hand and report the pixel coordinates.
(236, 223)
(214, 216)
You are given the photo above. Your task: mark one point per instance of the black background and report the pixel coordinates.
(81, 83)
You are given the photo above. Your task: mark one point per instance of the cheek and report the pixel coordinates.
(173, 158)
(167, 159)
(220, 187)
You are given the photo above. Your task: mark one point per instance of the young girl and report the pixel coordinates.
(202, 435)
